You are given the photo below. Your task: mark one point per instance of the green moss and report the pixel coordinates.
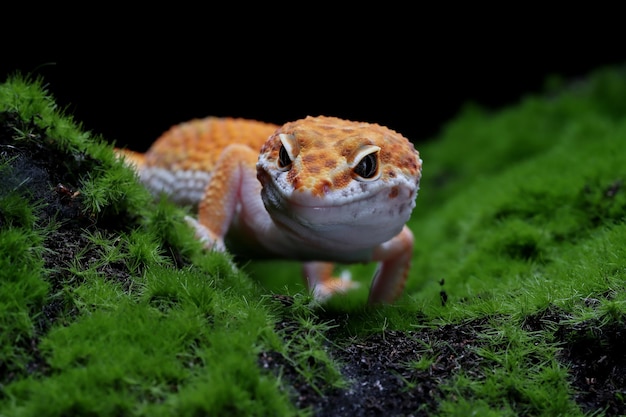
(513, 226)
(22, 289)
(138, 319)
(139, 358)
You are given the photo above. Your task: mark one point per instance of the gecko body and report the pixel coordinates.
(320, 190)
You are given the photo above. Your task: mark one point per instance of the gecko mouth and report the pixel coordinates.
(273, 188)
(358, 219)
(304, 200)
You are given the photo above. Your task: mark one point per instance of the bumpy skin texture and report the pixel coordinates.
(319, 190)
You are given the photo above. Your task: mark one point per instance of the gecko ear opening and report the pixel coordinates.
(289, 150)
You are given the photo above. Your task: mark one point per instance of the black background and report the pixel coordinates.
(130, 83)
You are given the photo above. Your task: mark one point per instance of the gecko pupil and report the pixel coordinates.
(367, 167)
(283, 157)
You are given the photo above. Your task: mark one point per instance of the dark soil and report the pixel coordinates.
(382, 384)
(380, 381)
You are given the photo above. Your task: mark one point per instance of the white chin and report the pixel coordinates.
(356, 225)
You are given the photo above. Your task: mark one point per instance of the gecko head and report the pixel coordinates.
(339, 182)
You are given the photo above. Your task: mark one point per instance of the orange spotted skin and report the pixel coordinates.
(183, 159)
(197, 144)
(320, 190)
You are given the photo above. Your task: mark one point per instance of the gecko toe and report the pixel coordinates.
(208, 239)
(322, 291)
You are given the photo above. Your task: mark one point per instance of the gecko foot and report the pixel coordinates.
(324, 289)
(209, 240)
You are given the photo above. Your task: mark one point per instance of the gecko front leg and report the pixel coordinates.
(395, 259)
(232, 181)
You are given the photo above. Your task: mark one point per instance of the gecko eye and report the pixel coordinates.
(283, 157)
(289, 150)
(367, 167)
